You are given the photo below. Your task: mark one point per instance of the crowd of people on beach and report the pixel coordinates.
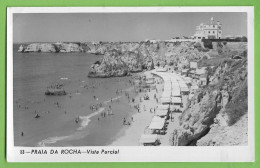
(135, 82)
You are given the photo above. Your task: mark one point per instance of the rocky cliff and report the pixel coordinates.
(128, 56)
(218, 109)
(141, 56)
(52, 47)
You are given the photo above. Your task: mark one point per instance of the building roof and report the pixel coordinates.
(176, 92)
(166, 94)
(148, 138)
(175, 107)
(161, 112)
(185, 89)
(163, 107)
(165, 100)
(157, 125)
(176, 100)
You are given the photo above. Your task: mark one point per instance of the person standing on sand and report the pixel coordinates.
(124, 121)
(132, 119)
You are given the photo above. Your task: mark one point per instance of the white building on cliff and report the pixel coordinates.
(208, 31)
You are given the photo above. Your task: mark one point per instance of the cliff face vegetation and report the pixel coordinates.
(217, 114)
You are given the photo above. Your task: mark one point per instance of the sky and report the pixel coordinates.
(83, 27)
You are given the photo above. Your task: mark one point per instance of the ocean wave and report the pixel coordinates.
(86, 119)
(113, 99)
(53, 140)
(79, 134)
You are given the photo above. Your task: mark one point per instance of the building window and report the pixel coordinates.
(213, 32)
(219, 32)
(209, 32)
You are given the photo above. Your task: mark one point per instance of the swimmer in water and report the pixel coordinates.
(37, 116)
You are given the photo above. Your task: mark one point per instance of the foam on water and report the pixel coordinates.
(113, 99)
(53, 140)
(85, 120)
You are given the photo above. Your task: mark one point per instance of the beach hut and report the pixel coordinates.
(166, 94)
(167, 87)
(149, 80)
(158, 119)
(176, 100)
(184, 89)
(162, 112)
(149, 140)
(175, 108)
(174, 82)
(166, 79)
(157, 127)
(176, 92)
(175, 86)
(163, 107)
(165, 100)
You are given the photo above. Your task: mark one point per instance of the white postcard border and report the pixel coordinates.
(137, 153)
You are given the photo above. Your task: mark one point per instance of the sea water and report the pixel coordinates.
(56, 126)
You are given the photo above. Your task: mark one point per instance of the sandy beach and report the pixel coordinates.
(131, 135)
